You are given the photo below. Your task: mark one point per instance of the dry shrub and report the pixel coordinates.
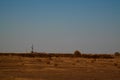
(117, 54)
(77, 53)
(95, 56)
(117, 65)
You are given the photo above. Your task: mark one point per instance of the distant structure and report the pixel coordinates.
(32, 49)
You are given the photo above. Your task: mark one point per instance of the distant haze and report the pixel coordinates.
(91, 26)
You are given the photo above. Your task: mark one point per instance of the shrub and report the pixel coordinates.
(117, 54)
(77, 53)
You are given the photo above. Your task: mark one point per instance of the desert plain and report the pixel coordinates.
(58, 68)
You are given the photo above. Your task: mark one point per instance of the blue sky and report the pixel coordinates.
(91, 26)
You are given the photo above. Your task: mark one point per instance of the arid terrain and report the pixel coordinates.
(58, 68)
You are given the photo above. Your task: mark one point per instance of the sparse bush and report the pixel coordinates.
(77, 53)
(117, 54)
(117, 65)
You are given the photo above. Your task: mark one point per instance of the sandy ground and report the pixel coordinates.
(60, 68)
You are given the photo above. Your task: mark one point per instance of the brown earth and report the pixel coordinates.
(58, 68)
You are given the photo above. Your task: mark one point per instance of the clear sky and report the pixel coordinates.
(91, 26)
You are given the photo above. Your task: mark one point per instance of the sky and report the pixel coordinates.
(90, 26)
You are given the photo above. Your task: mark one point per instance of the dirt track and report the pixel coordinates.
(25, 68)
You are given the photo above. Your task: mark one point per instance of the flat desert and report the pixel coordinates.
(58, 68)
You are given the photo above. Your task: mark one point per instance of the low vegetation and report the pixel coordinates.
(51, 66)
(49, 55)
(117, 54)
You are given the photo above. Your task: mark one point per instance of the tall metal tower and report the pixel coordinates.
(32, 49)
